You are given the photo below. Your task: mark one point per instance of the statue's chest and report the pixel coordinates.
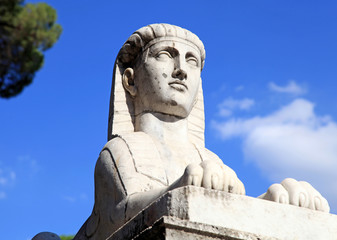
(157, 161)
(176, 159)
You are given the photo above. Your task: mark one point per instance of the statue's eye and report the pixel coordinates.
(192, 60)
(163, 55)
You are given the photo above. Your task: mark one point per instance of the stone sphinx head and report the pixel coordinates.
(158, 70)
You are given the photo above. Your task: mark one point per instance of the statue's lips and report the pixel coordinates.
(179, 85)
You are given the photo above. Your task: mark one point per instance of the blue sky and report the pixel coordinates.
(270, 102)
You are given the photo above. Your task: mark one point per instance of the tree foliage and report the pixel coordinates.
(66, 237)
(25, 32)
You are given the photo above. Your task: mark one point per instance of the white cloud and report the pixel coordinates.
(7, 177)
(3, 181)
(73, 199)
(69, 199)
(12, 175)
(23, 168)
(227, 107)
(83, 196)
(29, 163)
(292, 88)
(239, 88)
(291, 142)
(3, 195)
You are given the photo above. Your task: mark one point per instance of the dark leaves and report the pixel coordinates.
(25, 32)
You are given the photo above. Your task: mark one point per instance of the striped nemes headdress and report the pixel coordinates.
(121, 112)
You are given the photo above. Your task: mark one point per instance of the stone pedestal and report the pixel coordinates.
(197, 213)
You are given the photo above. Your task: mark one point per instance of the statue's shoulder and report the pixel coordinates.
(125, 150)
(136, 149)
(123, 142)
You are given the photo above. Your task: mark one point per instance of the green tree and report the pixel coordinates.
(26, 31)
(66, 237)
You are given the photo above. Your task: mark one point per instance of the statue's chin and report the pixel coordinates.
(179, 114)
(177, 110)
(171, 107)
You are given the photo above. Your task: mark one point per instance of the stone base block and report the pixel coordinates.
(197, 213)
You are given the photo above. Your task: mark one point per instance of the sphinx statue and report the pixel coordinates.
(156, 133)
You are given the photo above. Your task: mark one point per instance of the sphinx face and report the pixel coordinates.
(167, 78)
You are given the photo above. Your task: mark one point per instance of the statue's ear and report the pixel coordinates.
(128, 82)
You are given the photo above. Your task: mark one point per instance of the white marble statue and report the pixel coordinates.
(156, 133)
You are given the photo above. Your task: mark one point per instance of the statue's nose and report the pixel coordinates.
(179, 73)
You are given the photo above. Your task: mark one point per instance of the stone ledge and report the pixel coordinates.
(197, 213)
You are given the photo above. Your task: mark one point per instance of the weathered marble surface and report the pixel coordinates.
(156, 129)
(156, 144)
(198, 213)
(156, 134)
